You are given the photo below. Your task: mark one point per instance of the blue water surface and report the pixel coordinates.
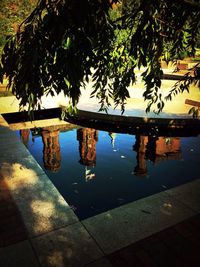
(112, 180)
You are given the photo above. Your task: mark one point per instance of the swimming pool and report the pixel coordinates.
(97, 170)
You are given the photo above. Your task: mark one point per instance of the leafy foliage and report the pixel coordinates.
(12, 13)
(64, 42)
(183, 85)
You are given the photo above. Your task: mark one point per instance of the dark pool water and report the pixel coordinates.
(96, 171)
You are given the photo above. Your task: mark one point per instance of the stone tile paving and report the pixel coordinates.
(103, 262)
(69, 246)
(12, 229)
(18, 255)
(178, 245)
(129, 223)
(42, 207)
(188, 194)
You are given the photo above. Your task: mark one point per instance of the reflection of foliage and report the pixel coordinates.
(73, 40)
(12, 13)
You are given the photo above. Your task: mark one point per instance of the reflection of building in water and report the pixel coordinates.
(168, 148)
(140, 147)
(24, 135)
(155, 149)
(87, 145)
(51, 150)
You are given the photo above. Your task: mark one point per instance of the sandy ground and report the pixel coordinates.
(135, 105)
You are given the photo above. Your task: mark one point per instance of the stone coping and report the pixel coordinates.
(170, 122)
(134, 125)
(112, 122)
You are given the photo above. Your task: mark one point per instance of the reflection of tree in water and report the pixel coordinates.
(87, 145)
(51, 150)
(24, 135)
(155, 149)
(89, 174)
(113, 137)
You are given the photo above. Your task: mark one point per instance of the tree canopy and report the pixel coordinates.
(64, 42)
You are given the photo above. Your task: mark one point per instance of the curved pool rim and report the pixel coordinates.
(121, 123)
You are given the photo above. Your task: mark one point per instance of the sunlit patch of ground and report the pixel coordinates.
(135, 106)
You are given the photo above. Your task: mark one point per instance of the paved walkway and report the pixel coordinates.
(175, 246)
(12, 228)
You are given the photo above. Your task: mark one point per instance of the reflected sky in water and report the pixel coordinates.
(96, 171)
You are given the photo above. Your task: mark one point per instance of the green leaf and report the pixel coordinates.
(67, 82)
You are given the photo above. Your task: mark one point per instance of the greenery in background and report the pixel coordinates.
(12, 13)
(76, 39)
(5, 93)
